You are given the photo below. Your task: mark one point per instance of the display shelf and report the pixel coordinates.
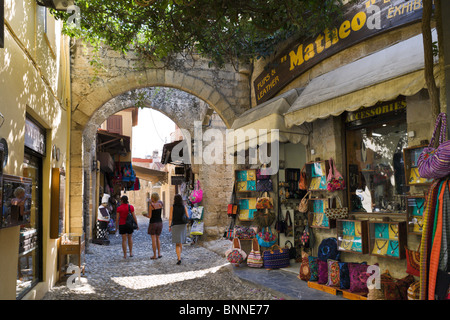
(247, 209)
(412, 176)
(335, 290)
(352, 236)
(316, 174)
(245, 180)
(316, 216)
(387, 239)
(416, 205)
(70, 244)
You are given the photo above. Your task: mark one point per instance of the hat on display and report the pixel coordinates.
(105, 198)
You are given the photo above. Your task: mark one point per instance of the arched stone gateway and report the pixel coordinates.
(107, 81)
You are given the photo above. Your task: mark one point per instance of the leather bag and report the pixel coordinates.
(303, 205)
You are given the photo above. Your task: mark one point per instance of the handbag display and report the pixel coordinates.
(264, 185)
(266, 238)
(254, 258)
(303, 205)
(335, 181)
(275, 258)
(197, 213)
(229, 232)
(264, 203)
(289, 227)
(244, 232)
(197, 228)
(235, 255)
(302, 183)
(434, 163)
(291, 249)
(196, 195)
(338, 212)
(413, 261)
(130, 222)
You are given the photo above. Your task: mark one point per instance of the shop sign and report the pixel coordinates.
(376, 110)
(363, 20)
(34, 137)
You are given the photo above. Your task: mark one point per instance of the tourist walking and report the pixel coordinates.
(124, 230)
(177, 225)
(155, 224)
(103, 217)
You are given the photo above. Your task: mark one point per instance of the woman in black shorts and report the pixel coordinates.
(126, 232)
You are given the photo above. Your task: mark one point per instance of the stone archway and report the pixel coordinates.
(100, 92)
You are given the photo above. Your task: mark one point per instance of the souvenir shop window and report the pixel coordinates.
(376, 172)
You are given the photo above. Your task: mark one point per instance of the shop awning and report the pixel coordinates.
(381, 76)
(167, 153)
(268, 116)
(112, 143)
(151, 175)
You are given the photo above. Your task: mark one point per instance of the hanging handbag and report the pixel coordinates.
(130, 222)
(232, 208)
(305, 239)
(197, 228)
(291, 249)
(244, 232)
(261, 174)
(254, 258)
(264, 203)
(235, 255)
(264, 185)
(302, 183)
(196, 195)
(413, 261)
(335, 181)
(266, 238)
(197, 213)
(280, 225)
(434, 163)
(275, 258)
(303, 205)
(289, 228)
(338, 212)
(229, 232)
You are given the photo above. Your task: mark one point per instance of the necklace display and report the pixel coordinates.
(394, 229)
(419, 207)
(393, 249)
(379, 248)
(380, 232)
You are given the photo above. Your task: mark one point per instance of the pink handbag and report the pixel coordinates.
(196, 195)
(335, 181)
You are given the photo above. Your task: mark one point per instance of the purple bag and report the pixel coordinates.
(434, 163)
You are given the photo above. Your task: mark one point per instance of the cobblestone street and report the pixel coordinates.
(202, 275)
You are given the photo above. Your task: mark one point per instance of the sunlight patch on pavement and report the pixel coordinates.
(149, 281)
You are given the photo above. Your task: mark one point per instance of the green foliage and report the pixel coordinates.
(222, 30)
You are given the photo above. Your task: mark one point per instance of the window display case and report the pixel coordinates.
(387, 239)
(352, 236)
(415, 209)
(16, 201)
